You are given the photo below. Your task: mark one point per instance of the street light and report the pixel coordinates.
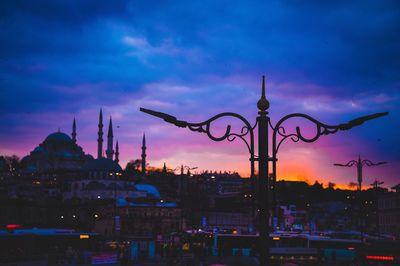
(359, 164)
(246, 134)
(184, 167)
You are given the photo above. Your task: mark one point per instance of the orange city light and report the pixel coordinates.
(276, 238)
(83, 236)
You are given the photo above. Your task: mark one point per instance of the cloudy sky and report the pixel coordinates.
(334, 60)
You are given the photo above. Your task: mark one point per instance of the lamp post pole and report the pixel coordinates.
(359, 164)
(181, 194)
(263, 121)
(279, 135)
(375, 185)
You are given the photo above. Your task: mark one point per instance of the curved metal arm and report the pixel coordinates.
(321, 128)
(369, 163)
(185, 167)
(205, 127)
(349, 164)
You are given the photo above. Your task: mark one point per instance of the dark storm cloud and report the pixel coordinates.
(333, 44)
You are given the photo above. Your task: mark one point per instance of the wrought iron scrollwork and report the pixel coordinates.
(205, 127)
(369, 163)
(350, 163)
(321, 129)
(359, 163)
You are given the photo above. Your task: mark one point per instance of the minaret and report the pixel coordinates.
(116, 152)
(164, 169)
(144, 154)
(100, 134)
(110, 136)
(74, 132)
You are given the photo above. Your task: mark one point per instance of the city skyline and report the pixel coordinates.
(334, 61)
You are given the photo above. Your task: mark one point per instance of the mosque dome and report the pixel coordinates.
(102, 165)
(58, 137)
(57, 152)
(149, 189)
(39, 150)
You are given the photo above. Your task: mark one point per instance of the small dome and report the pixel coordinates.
(39, 149)
(58, 137)
(102, 165)
(151, 190)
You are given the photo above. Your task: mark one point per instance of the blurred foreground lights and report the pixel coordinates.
(96, 216)
(62, 217)
(99, 197)
(73, 216)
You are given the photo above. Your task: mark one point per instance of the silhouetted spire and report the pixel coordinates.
(100, 136)
(263, 103)
(74, 132)
(144, 154)
(110, 128)
(116, 152)
(164, 169)
(110, 151)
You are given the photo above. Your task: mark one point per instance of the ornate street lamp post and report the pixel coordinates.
(247, 135)
(184, 167)
(359, 164)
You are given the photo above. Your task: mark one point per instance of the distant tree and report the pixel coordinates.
(318, 185)
(352, 185)
(331, 185)
(153, 169)
(133, 166)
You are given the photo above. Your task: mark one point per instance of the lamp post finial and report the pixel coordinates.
(263, 103)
